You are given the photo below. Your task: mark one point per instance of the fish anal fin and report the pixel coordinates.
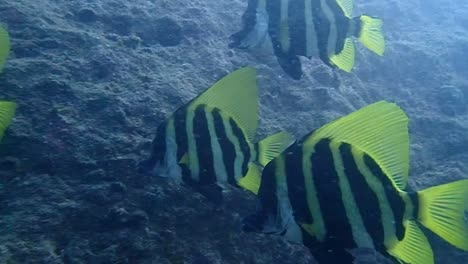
(380, 130)
(345, 59)
(414, 248)
(251, 181)
(236, 95)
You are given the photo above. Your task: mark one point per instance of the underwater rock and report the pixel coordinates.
(164, 31)
(87, 15)
(119, 217)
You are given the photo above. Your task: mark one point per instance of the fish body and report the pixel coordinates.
(342, 187)
(208, 143)
(310, 28)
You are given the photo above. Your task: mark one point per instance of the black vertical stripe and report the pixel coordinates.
(415, 201)
(202, 138)
(342, 25)
(366, 200)
(339, 232)
(227, 147)
(274, 24)
(267, 191)
(244, 145)
(396, 201)
(249, 20)
(158, 149)
(181, 140)
(296, 184)
(322, 28)
(297, 27)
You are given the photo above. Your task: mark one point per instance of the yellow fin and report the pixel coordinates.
(7, 111)
(414, 248)
(4, 47)
(371, 34)
(380, 130)
(345, 59)
(270, 147)
(236, 95)
(184, 159)
(346, 6)
(251, 181)
(443, 210)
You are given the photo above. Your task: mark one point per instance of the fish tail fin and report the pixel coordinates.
(267, 149)
(7, 111)
(444, 210)
(4, 47)
(369, 32)
(270, 147)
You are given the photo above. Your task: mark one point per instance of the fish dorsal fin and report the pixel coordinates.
(235, 94)
(4, 47)
(347, 7)
(380, 130)
(345, 59)
(414, 248)
(7, 111)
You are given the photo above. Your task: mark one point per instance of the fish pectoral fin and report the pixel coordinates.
(345, 59)
(414, 248)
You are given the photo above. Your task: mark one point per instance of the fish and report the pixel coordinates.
(208, 143)
(7, 112)
(309, 28)
(4, 47)
(7, 109)
(343, 187)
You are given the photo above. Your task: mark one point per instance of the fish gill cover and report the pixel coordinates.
(94, 79)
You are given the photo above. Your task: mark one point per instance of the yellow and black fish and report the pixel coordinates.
(4, 47)
(7, 109)
(309, 28)
(343, 186)
(208, 143)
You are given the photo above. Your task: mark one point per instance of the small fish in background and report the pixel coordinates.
(7, 109)
(4, 47)
(309, 28)
(207, 143)
(343, 186)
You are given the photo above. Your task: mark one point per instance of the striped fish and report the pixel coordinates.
(342, 188)
(7, 109)
(208, 143)
(4, 47)
(310, 28)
